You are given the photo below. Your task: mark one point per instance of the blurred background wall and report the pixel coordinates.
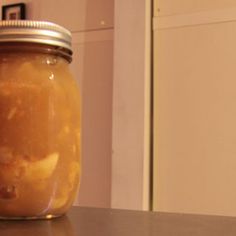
(91, 23)
(111, 44)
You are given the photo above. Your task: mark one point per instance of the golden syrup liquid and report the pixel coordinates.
(39, 136)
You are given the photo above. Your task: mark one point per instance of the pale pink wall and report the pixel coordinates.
(76, 15)
(97, 124)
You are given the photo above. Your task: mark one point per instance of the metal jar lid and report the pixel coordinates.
(35, 32)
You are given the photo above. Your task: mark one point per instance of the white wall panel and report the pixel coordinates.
(172, 7)
(195, 113)
(131, 105)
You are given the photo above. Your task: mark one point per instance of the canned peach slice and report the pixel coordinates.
(42, 169)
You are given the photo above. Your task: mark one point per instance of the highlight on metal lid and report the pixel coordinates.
(42, 32)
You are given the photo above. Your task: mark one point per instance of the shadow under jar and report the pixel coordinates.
(39, 121)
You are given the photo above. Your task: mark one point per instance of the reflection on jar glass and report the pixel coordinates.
(39, 121)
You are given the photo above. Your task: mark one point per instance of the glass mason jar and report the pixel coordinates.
(39, 121)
